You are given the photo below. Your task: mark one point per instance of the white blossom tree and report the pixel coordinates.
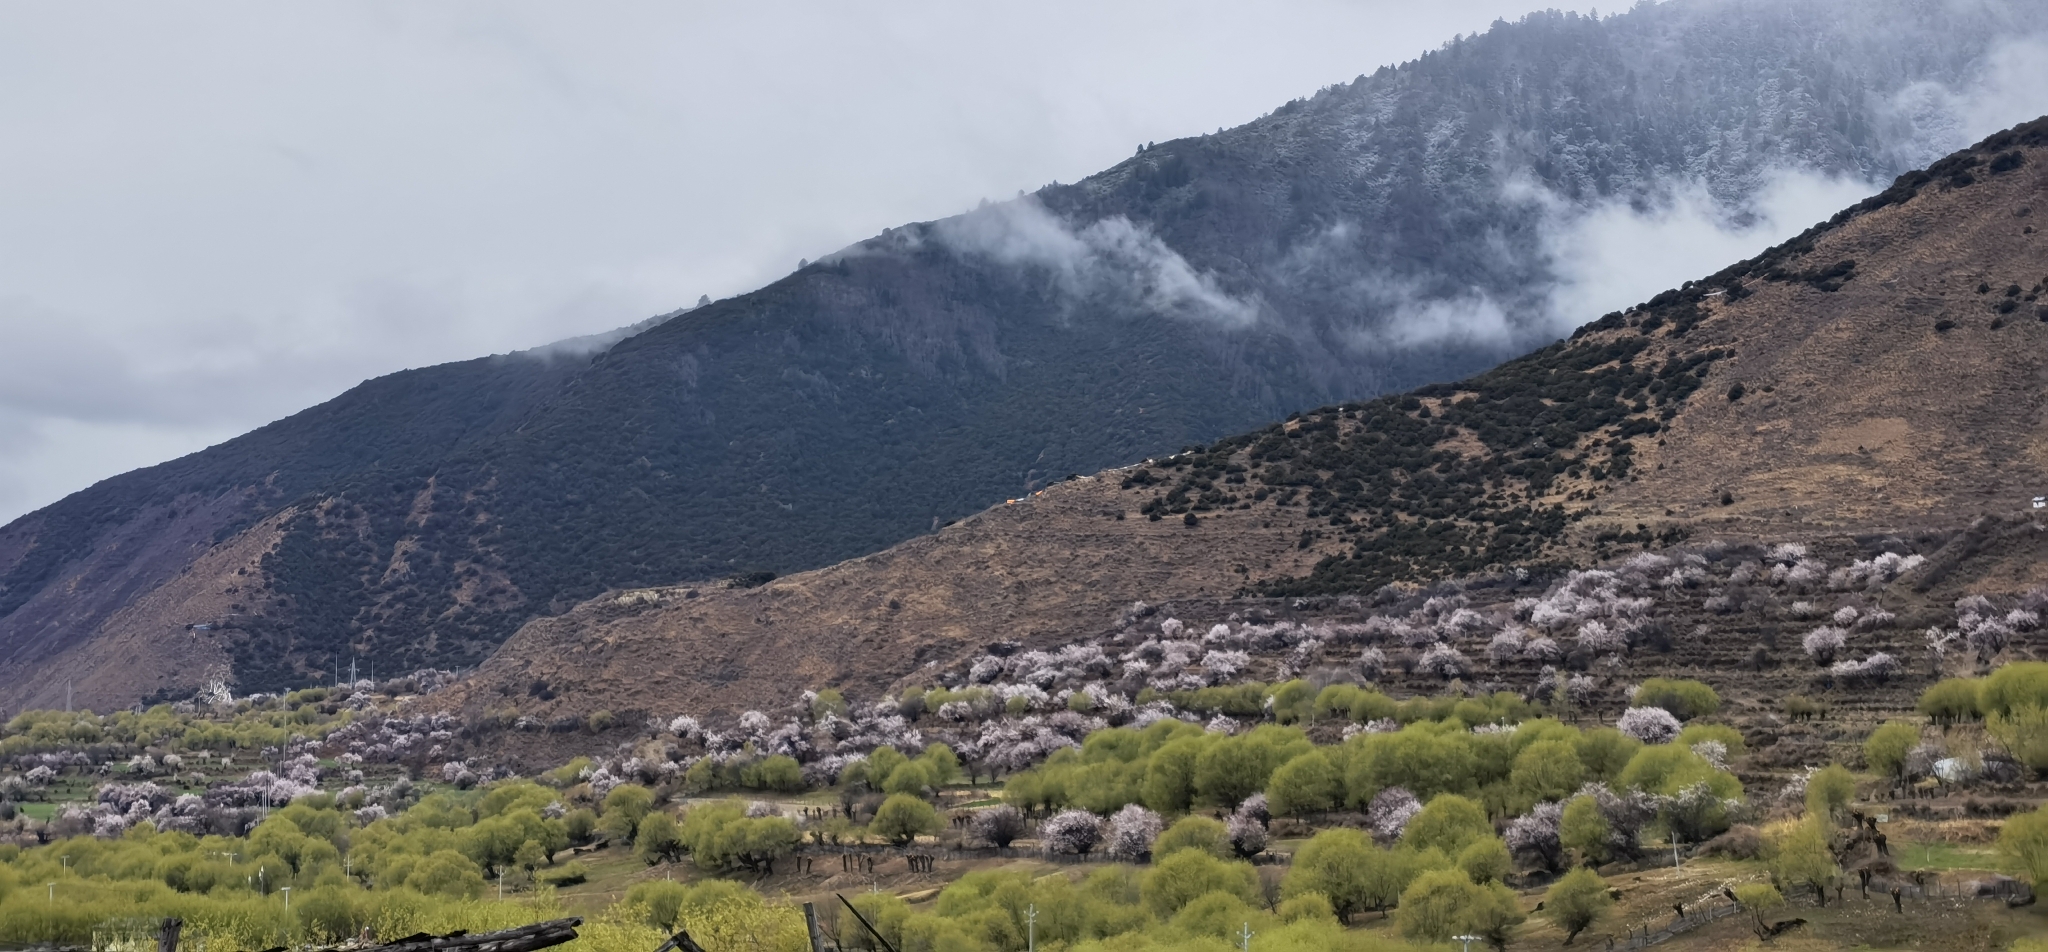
(1579, 688)
(1534, 836)
(1651, 725)
(1247, 835)
(1389, 812)
(1507, 644)
(1878, 668)
(1823, 643)
(1601, 638)
(1132, 831)
(1627, 813)
(997, 826)
(1987, 636)
(1072, 832)
(1372, 663)
(1443, 661)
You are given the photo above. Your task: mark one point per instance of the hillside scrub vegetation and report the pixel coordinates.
(1173, 753)
(932, 371)
(1453, 798)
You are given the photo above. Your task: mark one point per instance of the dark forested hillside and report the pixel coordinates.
(1205, 286)
(71, 566)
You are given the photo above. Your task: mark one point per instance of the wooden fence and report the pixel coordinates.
(1639, 937)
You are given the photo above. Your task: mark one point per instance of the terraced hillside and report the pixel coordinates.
(1201, 287)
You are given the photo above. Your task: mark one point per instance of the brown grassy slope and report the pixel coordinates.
(1857, 412)
(148, 644)
(133, 597)
(1948, 425)
(1032, 572)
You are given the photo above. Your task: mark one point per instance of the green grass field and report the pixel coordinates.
(1945, 856)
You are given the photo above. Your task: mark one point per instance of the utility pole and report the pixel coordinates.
(1467, 939)
(1244, 939)
(67, 695)
(811, 927)
(287, 898)
(1031, 928)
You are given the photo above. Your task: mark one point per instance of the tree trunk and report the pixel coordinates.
(167, 940)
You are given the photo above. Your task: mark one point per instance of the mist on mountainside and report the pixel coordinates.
(1870, 385)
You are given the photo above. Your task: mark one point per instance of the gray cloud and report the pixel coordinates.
(1620, 253)
(1928, 120)
(1112, 257)
(1604, 257)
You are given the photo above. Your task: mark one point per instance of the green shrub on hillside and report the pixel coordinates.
(1346, 867)
(2013, 686)
(1886, 748)
(1196, 833)
(903, 818)
(721, 836)
(1448, 823)
(1442, 903)
(2023, 842)
(1952, 701)
(778, 773)
(1187, 875)
(1576, 901)
(1307, 784)
(1685, 699)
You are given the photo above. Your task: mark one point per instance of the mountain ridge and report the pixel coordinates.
(1343, 500)
(913, 378)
